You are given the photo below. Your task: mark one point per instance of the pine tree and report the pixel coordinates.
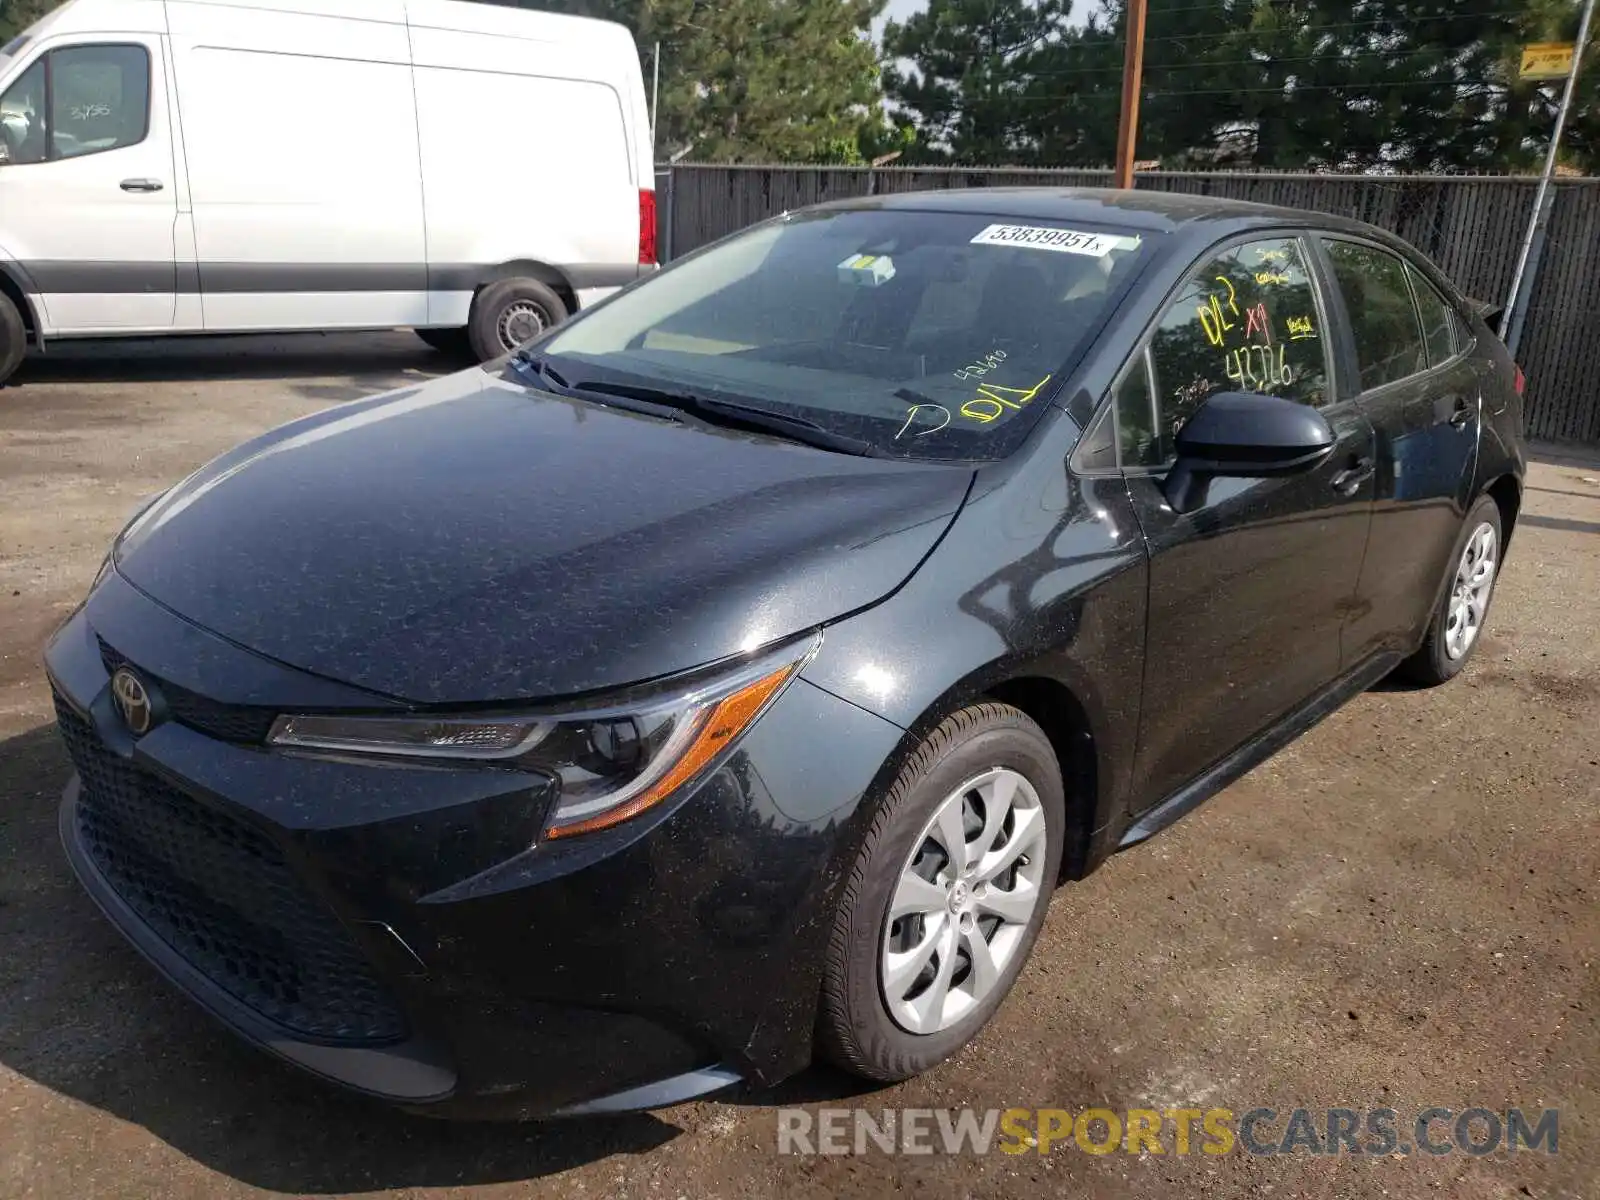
(1404, 85)
(756, 80)
(17, 15)
(966, 92)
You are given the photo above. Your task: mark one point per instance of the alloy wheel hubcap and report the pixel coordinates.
(963, 901)
(519, 321)
(1469, 597)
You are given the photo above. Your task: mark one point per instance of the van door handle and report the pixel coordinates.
(1462, 415)
(142, 185)
(1348, 482)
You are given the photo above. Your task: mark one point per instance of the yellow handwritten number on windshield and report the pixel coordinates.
(993, 401)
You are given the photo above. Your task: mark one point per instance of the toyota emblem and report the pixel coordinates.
(132, 700)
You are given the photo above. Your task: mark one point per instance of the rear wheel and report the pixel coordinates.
(510, 312)
(13, 338)
(1458, 621)
(946, 896)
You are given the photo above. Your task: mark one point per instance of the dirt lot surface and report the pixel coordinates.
(1401, 910)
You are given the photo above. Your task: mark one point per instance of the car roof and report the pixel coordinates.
(1163, 212)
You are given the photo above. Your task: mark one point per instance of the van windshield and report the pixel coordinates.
(924, 334)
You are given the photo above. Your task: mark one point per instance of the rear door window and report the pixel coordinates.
(1383, 320)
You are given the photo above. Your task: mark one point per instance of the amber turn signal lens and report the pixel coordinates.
(715, 728)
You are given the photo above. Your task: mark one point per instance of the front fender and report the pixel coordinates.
(1045, 581)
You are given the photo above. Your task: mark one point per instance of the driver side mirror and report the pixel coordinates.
(1244, 435)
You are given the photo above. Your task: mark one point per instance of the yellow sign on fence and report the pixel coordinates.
(1547, 60)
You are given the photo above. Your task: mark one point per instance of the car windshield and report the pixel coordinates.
(922, 334)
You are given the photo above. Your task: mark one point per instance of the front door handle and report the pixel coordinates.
(1462, 416)
(1348, 482)
(142, 185)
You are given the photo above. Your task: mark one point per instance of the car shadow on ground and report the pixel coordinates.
(83, 1016)
(202, 358)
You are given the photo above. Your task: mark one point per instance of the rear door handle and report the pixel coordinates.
(1348, 482)
(142, 185)
(1462, 416)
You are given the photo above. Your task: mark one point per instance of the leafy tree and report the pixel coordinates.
(972, 65)
(17, 15)
(1401, 85)
(756, 80)
(1406, 85)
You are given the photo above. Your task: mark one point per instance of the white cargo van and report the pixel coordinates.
(180, 166)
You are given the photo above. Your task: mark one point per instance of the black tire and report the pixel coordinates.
(13, 338)
(856, 1030)
(1431, 664)
(508, 305)
(447, 341)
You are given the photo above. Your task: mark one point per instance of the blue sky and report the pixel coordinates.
(901, 9)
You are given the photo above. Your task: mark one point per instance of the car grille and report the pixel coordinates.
(221, 894)
(240, 723)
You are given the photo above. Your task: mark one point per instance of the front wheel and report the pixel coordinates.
(1457, 623)
(946, 896)
(13, 338)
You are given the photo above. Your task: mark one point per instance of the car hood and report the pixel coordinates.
(472, 539)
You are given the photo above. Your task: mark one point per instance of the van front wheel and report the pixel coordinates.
(13, 338)
(510, 312)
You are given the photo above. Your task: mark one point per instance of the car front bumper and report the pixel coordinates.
(403, 930)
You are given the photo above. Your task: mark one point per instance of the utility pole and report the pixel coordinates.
(1132, 81)
(655, 95)
(1521, 283)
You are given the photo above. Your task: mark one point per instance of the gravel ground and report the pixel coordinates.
(1400, 910)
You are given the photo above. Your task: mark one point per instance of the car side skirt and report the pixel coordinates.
(1260, 748)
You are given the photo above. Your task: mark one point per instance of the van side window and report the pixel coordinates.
(22, 117)
(99, 99)
(75, 101)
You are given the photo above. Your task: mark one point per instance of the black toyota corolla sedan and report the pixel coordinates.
(733, 673)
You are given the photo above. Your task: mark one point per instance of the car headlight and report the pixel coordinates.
(611, 762)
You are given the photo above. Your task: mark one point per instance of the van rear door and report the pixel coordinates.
(88, 195)
(526, 124)
(300, 132)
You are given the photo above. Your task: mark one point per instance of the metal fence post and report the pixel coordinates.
(1528, 277)
(664, 180)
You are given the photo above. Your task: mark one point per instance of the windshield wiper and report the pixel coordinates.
(734, 415)
(527, 363)
(672, 404)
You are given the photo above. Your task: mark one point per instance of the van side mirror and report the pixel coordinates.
(1243, 435)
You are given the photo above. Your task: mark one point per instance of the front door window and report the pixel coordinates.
(1247, 321)
(75, 101)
